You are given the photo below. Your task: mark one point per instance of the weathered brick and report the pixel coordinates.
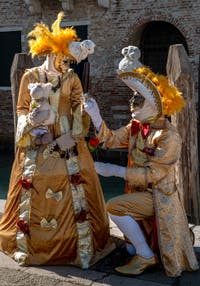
(111, 29)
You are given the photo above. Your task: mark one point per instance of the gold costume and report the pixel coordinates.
(151, 190)
(55, 211)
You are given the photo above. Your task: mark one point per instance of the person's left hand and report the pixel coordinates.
(108, 170)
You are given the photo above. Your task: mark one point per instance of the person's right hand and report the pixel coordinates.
(91, 107)
(37, 116)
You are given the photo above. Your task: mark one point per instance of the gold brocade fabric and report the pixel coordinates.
(21, 252)
(153, 170)
(42, 223)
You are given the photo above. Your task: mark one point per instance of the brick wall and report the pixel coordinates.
(111, 29)
(6, 121)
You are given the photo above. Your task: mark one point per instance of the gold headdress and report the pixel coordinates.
(44, 42)
(156, 88)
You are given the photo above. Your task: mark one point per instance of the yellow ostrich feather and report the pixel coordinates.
(172, 99)
(43, 41)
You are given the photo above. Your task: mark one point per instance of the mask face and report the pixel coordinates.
(141, 109)
(62, 63)
(136, 102)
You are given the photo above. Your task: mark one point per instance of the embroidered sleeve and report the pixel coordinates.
(77, 108)
(76, 93)
(114, 138)
(23, 126)
(24, 95)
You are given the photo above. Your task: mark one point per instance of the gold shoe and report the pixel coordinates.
(136, 265)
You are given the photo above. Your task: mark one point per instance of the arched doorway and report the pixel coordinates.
(156, 38)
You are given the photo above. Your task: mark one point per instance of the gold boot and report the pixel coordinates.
(136, 265)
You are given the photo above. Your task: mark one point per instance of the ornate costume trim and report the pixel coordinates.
(24, 207)
(77, 128)
(64, 124)
(85, 247)
(23, 138)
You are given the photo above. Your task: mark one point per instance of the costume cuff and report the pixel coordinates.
(103, 132)
(136, 177)
(23, 127)
(77, 128)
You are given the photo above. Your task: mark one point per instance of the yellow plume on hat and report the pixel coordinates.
(172, 99)
(44, 42)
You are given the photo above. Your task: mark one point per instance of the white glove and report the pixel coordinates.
(109, 170)
(65, 141)
(91, 107)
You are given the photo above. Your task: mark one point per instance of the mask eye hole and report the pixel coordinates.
(137, 100)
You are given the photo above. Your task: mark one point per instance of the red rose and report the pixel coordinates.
(82, 216)
(94, 142)
(76, 179)
(25, 184)
(23, 226)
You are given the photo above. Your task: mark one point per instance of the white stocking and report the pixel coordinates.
(132, 231)
(130, 248)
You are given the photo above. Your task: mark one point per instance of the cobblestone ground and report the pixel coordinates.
(20, 278)
(101, 274)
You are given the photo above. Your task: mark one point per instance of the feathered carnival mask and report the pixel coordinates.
(155, 88)
(64, 41)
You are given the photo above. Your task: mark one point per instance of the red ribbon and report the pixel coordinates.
(137, 126)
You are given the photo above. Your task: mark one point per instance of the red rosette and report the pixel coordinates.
(25, 184)
(23, 226)
(76, 179)
(82, 216)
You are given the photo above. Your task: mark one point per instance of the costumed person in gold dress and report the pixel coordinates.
(55, 211)
(154, 146)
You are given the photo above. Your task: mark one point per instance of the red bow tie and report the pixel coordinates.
(136, 126)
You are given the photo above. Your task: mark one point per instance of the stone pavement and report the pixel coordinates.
(101, 274)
